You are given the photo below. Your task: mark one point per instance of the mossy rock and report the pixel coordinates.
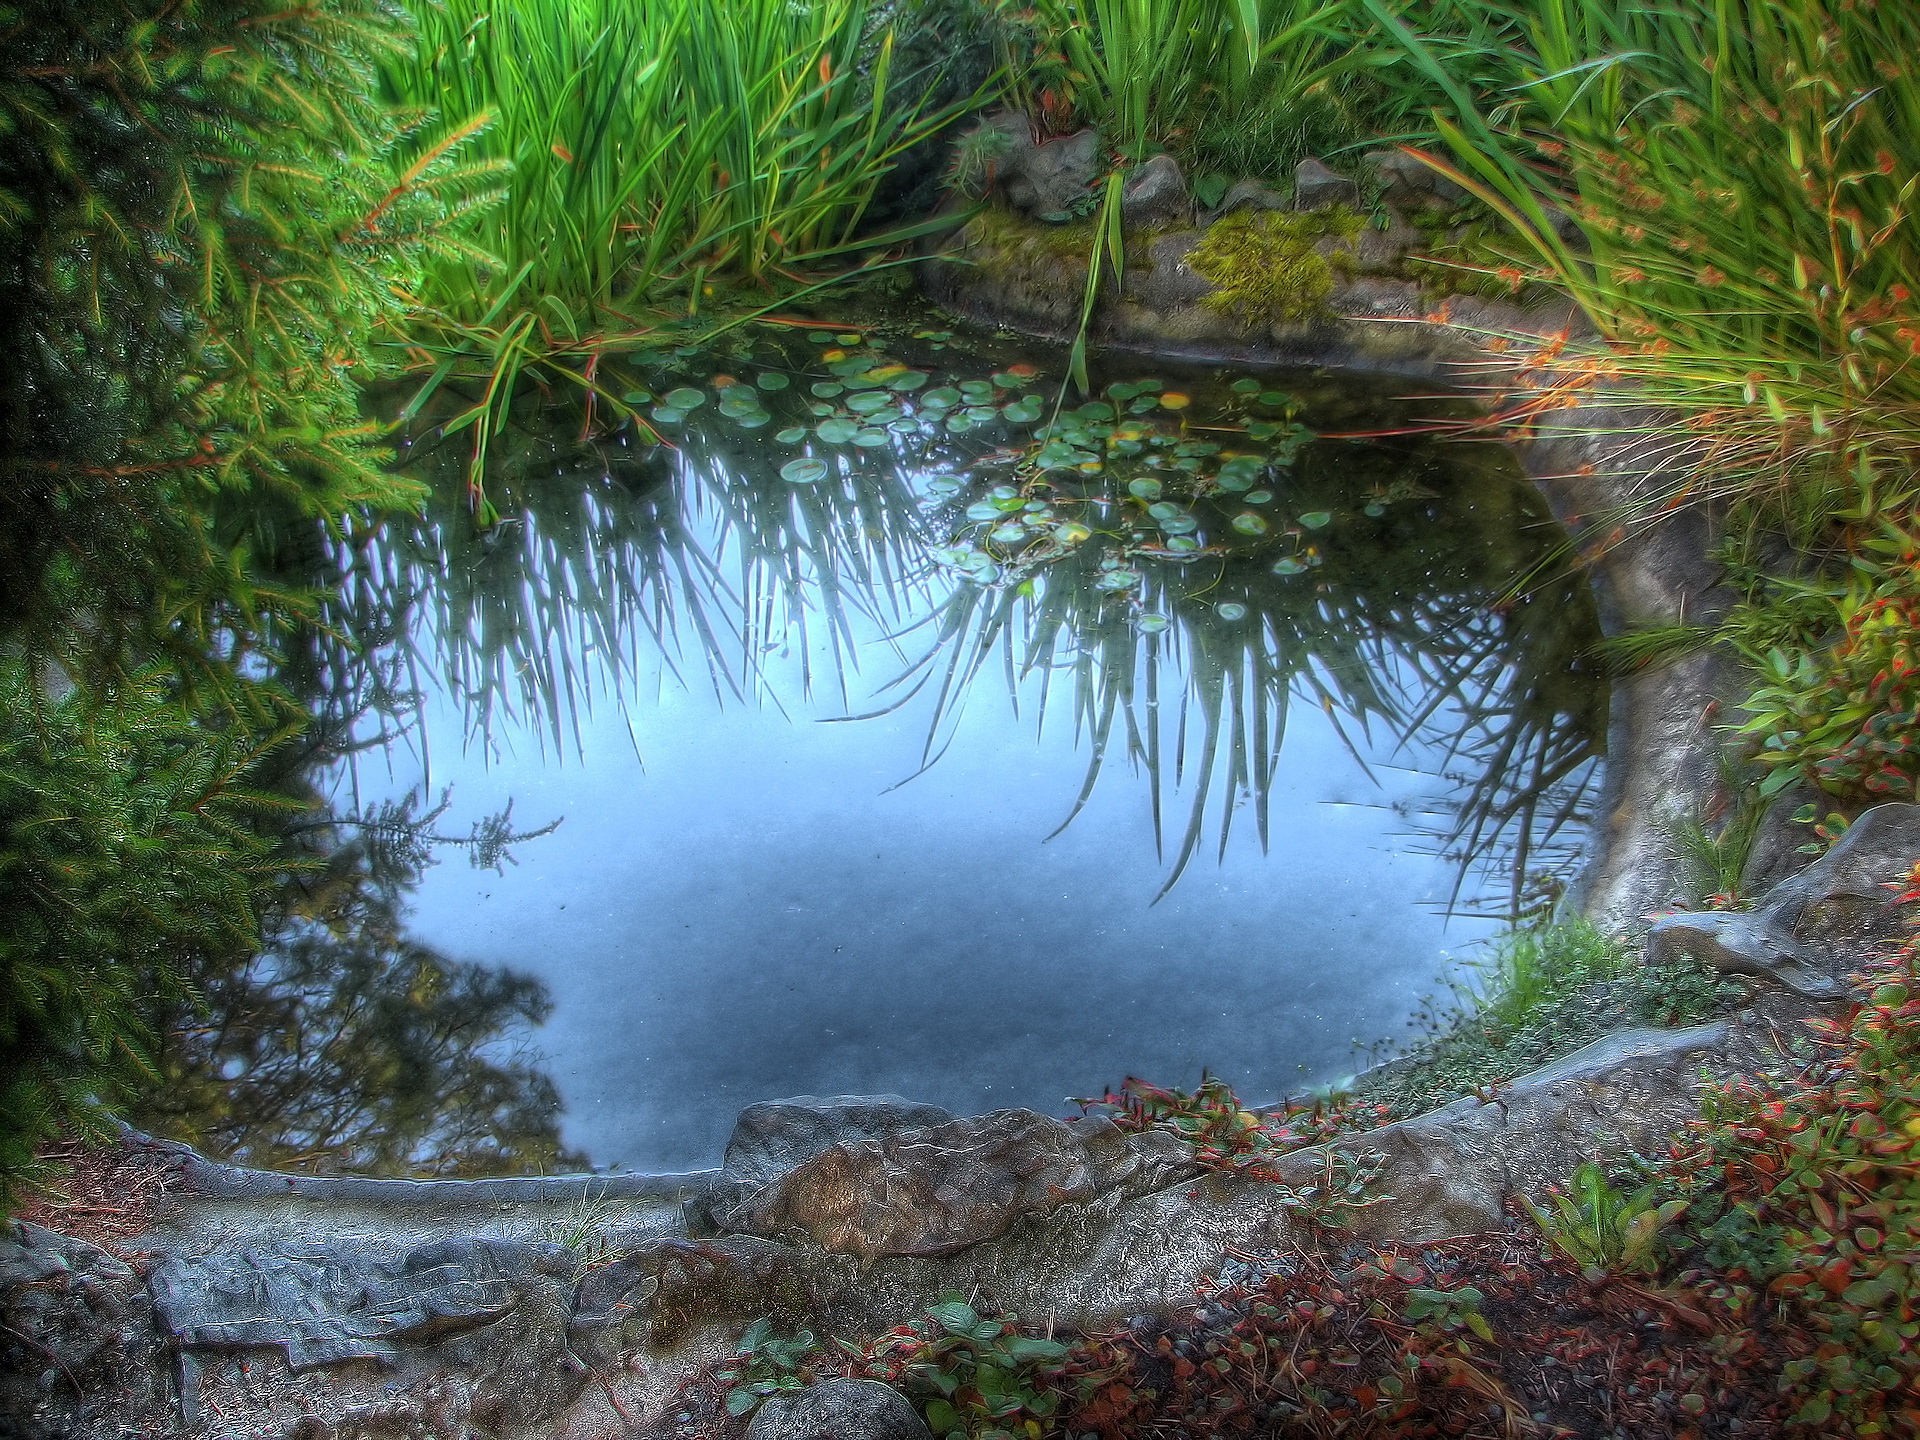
(1267, 265)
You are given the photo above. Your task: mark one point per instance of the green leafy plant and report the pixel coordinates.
(975, 1377)
(1449, 1309)
(1598, 1225)
(766, 1364)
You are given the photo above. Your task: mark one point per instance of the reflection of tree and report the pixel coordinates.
(345, 1045)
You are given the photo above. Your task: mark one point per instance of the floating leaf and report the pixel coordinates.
(870, 439)
(667, 415)
(820, 337)
(1288, 566)
(959, 422)
(983, 510)
(771, 380)
(1071, 532)
(908, 381)
(1008, 534)
(637, 397)
(1151, 624)
(1183, 544)
(685, 398)
(1246, 385)
(792, 435)
(804, 471)
(1375, 509)
(944, 398)
(1007, 380)
(1230, 610)
(836, 431)
(827, 389)
(1259, 497)
(1023, 412)
(1175, 400)
(1316, 519)
(1248, 523)
(1115, 580)
(1144, 489)
(869, 402)
(850, 339)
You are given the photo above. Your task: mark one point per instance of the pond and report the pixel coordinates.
(896, 724)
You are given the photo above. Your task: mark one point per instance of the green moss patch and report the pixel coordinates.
(1264, 265)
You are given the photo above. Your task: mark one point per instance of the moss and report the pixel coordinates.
(1264, 265)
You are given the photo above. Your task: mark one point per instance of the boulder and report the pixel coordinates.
(839, 1410)
(1155, 193)
(1053, 182)
(1814, 929)
(934, 1191)
(1316, 187)
(771, 1138)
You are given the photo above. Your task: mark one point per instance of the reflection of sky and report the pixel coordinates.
(753, 913)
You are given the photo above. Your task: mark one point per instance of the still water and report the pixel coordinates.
(885, 729)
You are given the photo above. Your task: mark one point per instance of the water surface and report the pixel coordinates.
(900, 734)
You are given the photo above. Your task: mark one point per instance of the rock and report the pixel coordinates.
(326, 1303)
(1409, 183)
(934, 1191)
(839, 1410)
(1384, 251)
(989, 152)
(1155, 194)
(1814, 929)
(1053, 182)
(1250, 195)
(1450, 1171)
(772, 1137)
(76, 1336)
(1315, 187)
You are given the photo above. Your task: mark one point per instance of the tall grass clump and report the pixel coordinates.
(1744, 176)
(645, 152)
(1243, 84)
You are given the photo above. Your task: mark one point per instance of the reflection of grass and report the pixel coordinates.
(1405, 623)
(1395, 622)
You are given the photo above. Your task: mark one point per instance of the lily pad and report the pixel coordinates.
(959, 422)
(944, 398)
(1230, 610)
(1182, 544)
(685, 397)
(1144, 489)
(1071, 532)
(1151, 624)
(1247, 522)
(1023, 412)
(1117, 580)
(1246, 385)
(827, 389)
(1288, 566)
(667, 414)
(1008, 534)
(771, 380)
(869, 402)
(804, 471)
(1259, 497)
(837, 430)
(983, 510)
(870, 438)
(1175, 400)
(792, 435)
(908, 382)
(1316, 519)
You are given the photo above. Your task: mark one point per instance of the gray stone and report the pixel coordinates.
(942, 1189)
(772, 1137)
(329, 1302)
(1378, 251)
(1409, 183)
(1815, 928)
(1053, 182)
(1250, 195)
(77, 1331)
(1155, 193)
(839, 1410)
(1316, 187)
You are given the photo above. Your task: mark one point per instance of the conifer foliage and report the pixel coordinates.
(206, 221)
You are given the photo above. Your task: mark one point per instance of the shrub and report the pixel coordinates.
(203, 227)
